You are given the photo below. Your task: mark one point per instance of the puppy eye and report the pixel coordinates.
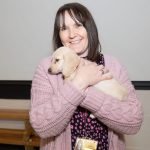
(56, 60)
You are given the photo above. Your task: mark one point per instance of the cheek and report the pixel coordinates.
(63, 37)
(83, 32)
(60, 67)
(85, 35)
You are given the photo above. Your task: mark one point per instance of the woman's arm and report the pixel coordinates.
(52, 102)
(122, 116)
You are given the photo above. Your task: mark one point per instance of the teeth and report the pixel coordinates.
(75, 42)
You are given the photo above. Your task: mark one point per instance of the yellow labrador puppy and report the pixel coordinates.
(66, 61)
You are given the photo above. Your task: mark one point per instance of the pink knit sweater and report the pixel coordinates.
(54, 101)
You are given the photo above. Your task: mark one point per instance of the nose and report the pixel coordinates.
(49, 70)
(72, 33)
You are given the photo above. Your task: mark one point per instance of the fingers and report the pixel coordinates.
(106, 70)
(103, 72)
(102, 69)
(107, 76)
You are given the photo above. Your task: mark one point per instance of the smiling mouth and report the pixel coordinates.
(75, 42)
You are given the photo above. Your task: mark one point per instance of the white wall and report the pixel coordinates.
(26, 30)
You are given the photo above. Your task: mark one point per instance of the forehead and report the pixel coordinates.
(58, 53)
(68, 17)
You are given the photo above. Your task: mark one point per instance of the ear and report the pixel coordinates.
(71, 62)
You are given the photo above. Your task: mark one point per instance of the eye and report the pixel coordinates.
(78, 24)
(63, 28)
(56, 60)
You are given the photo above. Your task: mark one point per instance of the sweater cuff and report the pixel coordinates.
(72, 94)
(94, 99)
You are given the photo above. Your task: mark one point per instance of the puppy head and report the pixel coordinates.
(57, 62)
(65, 61)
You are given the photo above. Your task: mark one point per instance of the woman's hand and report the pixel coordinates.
(89, 73)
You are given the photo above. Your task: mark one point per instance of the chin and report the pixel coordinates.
(79, 50)
(82, 53)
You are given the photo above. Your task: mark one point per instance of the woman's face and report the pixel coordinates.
(74, 35)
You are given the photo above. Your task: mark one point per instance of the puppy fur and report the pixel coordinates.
(66, 61)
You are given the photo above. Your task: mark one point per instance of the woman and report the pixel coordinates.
(62, 113)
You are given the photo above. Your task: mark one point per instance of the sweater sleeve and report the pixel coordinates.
(121, 116)
(51, 110)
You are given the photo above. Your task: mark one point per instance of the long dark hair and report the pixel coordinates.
(82, 14)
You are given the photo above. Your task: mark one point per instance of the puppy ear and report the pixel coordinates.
(71, 62)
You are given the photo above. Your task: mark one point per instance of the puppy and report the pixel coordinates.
(66, 61)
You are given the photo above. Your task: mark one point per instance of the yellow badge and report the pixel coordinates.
(85, 144)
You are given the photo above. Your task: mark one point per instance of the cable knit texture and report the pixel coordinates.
(54, 101)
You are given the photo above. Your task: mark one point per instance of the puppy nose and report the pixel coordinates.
(49, 70)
